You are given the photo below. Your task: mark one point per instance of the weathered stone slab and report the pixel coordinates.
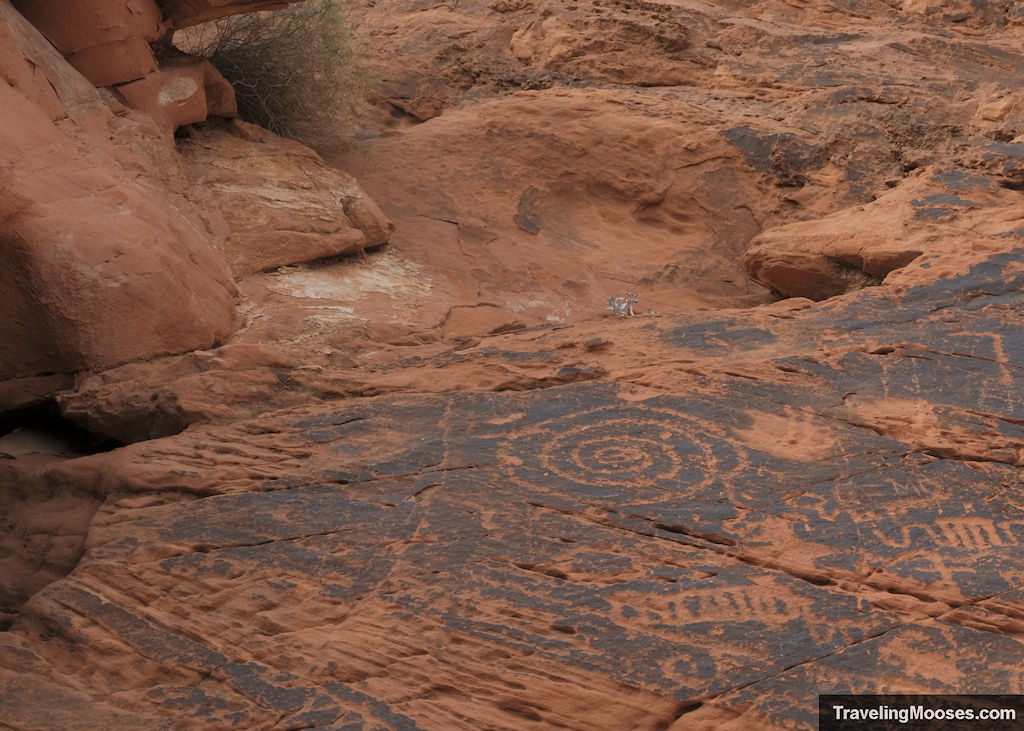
(545, 556)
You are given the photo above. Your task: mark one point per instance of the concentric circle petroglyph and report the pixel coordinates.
(612, 449)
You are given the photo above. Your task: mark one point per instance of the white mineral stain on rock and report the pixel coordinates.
(177, 90)
(388, 274)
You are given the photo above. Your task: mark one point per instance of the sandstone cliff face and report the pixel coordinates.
(103, 265)
(440, 486)
(116, 250)
(123, 45)
(108, 42)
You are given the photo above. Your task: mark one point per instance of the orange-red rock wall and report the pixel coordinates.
(111, 254)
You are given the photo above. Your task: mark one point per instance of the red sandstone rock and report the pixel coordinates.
(646, 44)
(185, 89)
(45, 514)
(101, 269)
(281, 204)
(111, 45)
(109, 262)
(58, 90)
(419, 502)
(116, 62)
(829, 256)
(106, 40)
(479, 255)
(184, 13)
(88, 23)
(666, 537)
(580, 195)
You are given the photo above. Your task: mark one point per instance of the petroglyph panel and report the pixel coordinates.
(930, 657)
(620, 450)
(564, 557)
(960, 533)
(660, 461)
(680, 636)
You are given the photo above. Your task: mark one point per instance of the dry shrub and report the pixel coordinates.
(296, 71)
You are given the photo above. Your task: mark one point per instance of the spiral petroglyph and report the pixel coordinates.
(610, 449)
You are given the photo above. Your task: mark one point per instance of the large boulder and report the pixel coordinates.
(124, 45)
(934, 212)
(280, 203)
(106, 40)
(101, 265)
(184, 90)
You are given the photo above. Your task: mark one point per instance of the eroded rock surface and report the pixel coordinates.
(901, 115)
(441, 486)
(770, 507)
(122, 245)
(102, 263)
(280, 203)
